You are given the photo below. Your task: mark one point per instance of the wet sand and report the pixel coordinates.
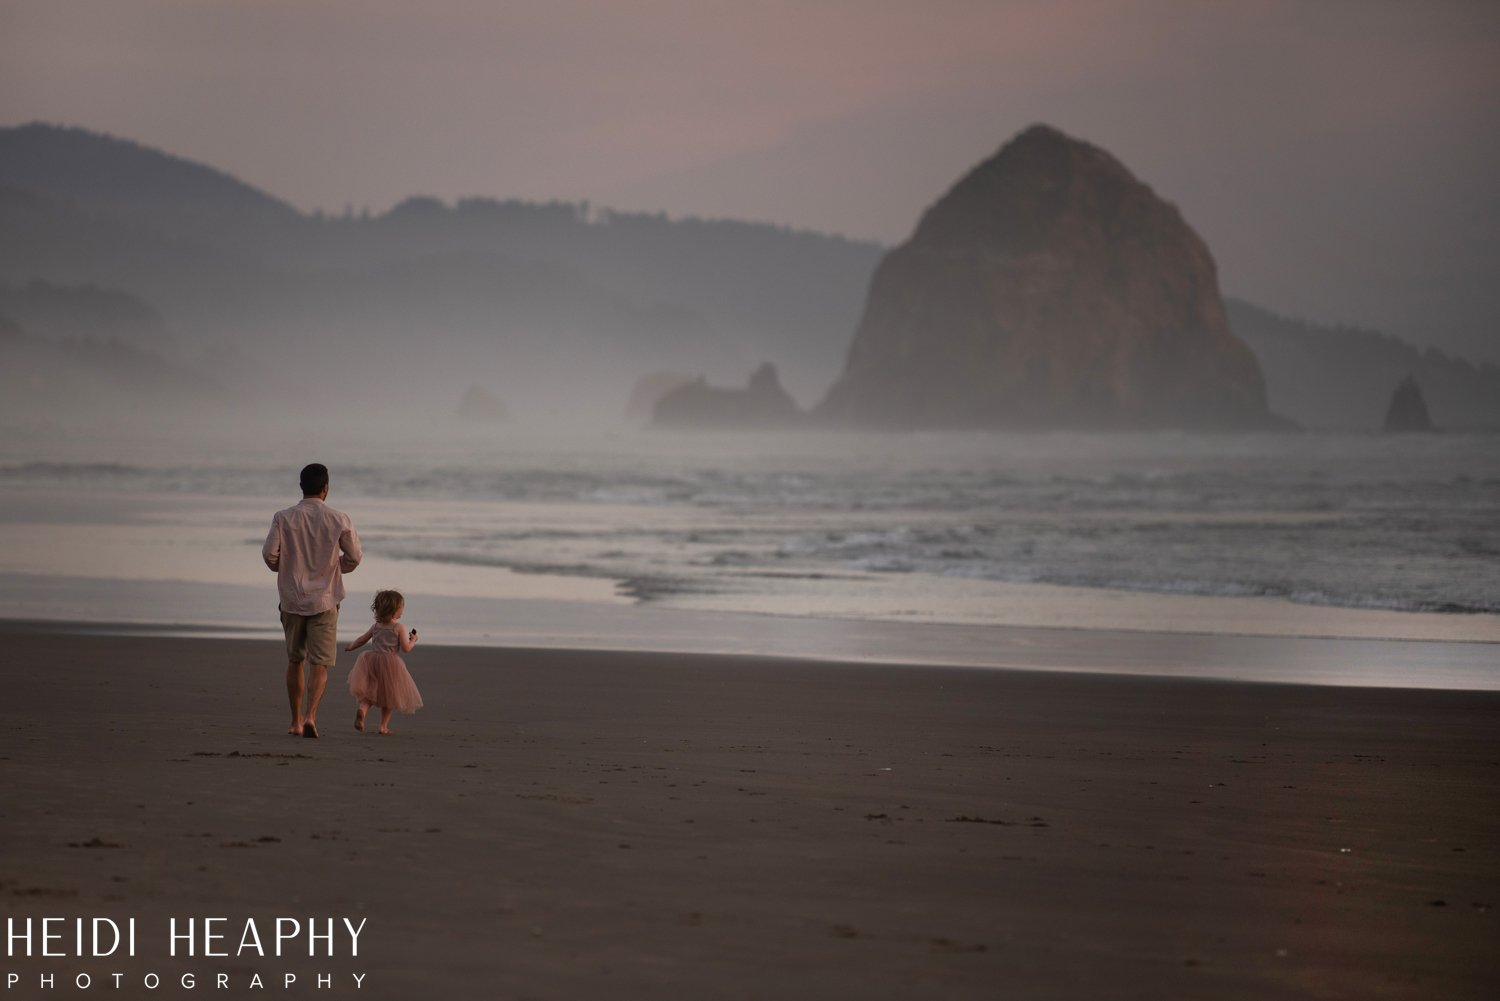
(561, 824)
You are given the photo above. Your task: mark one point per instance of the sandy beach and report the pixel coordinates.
(560, 824)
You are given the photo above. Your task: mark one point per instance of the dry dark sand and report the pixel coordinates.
(616, 826)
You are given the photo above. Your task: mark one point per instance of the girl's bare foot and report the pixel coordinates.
(359, 718)
(295, 729)
(385, 731)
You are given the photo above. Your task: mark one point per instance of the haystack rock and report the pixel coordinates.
(761, 404)
(1408, 410)
(1048, 288)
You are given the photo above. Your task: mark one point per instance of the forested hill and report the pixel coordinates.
(487, 283)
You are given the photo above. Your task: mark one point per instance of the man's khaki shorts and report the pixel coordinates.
(313, 638)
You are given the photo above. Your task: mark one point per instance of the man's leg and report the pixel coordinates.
(294, 692)
(317, 680)
(295, 628)
(322, 650)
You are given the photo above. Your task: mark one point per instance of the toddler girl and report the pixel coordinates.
(379, 677)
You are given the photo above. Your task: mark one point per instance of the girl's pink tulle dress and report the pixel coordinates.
(379, 677)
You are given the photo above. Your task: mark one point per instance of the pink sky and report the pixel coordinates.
(1338, 155)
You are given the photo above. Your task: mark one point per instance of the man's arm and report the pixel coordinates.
(349, 551)
(271, 551)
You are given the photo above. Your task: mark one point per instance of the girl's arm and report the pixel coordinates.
(408, 639)
(363, 639)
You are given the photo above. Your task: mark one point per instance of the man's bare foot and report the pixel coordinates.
(359, 719)
(309, 729)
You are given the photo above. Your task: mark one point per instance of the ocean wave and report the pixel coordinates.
(69, 470)
(843, 486)
(1321, 521)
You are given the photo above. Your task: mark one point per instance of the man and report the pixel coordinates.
(310, 546)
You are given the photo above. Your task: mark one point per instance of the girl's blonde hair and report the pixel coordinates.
(386, 605)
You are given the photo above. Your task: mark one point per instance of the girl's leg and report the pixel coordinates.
(385, 718)
(359, 715)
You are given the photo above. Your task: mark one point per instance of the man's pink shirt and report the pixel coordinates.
(311, 546)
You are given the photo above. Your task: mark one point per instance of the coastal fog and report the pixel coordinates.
(190, 296)
(140, 288)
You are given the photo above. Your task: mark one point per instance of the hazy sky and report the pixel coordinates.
(1340, 156)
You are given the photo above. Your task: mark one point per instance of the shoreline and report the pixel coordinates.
(538, 625)
(191, 630)
(196, 552)
(564, 824)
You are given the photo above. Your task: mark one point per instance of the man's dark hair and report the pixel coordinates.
(314, 479)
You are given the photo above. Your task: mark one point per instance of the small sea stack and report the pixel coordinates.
(1408, 410)
(763, 403)
(480, 406)
(648, 391)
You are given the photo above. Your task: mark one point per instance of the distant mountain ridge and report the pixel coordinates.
(216, 275)
(67, 162)
(569, 292)
(179, 197)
